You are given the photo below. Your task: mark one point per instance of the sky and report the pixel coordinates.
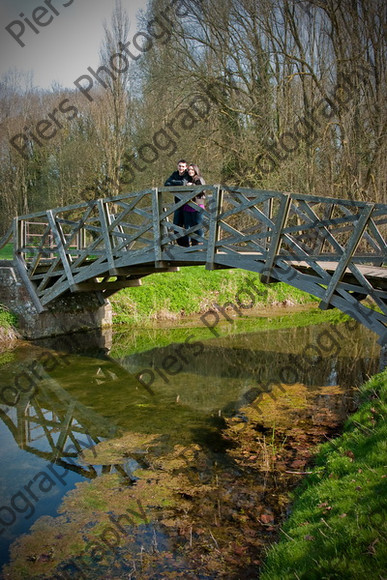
(62, 49)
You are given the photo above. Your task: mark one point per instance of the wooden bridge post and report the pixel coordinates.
(60, 243)
(19, 263)
(156, 212)
(104, 220)
(276, 237)
(268, 211)
(19, 235)
(213, 232)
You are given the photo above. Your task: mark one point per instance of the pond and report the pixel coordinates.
(167, 452)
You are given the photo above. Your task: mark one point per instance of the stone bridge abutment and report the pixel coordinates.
(64, 315)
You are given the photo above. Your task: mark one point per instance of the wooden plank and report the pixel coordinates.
(126, 210)
(15, 230)
(248, 204)
(317, 199)
(368, 237)
(251, 202)
(369, 289)
(323, 225)
(239, 237)
(60, 288)
(52, 272)
(32, 267)
(123, 196)
(173, 189)
(268, 210)
(20, 235)
(78, 230)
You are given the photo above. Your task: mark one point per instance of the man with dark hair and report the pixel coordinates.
(178, 178)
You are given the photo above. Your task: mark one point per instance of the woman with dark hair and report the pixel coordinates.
(191, 216)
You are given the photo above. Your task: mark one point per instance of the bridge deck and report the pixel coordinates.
(376, 275)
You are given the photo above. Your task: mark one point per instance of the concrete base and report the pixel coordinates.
(67, 314)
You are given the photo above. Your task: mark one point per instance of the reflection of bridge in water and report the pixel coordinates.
(69, 413)
(54, 426)
(332, 248)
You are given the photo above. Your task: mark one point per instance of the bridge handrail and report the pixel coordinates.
(208, 188)
(378, 213)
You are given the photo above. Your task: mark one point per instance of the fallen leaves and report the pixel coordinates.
(266, 518)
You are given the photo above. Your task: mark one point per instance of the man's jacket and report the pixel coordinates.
(177, 179)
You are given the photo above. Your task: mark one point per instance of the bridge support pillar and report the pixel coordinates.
(71, 313)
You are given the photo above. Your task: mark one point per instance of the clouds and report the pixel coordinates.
(61, 37)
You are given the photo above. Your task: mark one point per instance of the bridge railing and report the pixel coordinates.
(75, 247)
(319, 224)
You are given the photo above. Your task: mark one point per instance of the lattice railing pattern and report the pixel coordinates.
(332, 248)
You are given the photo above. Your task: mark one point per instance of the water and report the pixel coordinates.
(175, 429)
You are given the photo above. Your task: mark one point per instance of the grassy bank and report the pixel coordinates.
(338, 527)
(6, 253)
(194, 290)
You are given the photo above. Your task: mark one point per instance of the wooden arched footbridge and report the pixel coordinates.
(334, 249)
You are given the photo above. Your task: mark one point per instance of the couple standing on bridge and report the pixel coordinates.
(187, 216)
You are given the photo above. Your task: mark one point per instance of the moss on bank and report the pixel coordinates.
(8, 323)
(194, 290)
(338, 526)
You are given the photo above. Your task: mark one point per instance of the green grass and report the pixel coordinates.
(7, 319)
(338, 529)
(6, 253)
(194, 290)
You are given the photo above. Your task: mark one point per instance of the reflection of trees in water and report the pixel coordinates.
(262, 365)
(233, 370)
